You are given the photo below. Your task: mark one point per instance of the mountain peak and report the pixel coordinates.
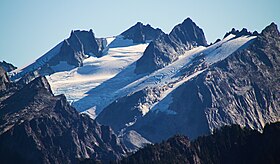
(167, 48)
(189, 32)
(271, 30)
(139, 24)
(141, 33)
(188, 20)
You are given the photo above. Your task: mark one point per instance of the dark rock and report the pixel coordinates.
(218, 40)
(38, 127)
(89, 42)
(4, 80)
(7, 66)
(188, 34)
(140, 33)
(75, 48)
(243, 32)
(271, 31)
(228, 145)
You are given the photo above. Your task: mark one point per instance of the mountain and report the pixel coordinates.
(43, 128)
(234, 81)
(229, 145)
(176, 83)
(167, 48)
(71, 52)
(141, 33)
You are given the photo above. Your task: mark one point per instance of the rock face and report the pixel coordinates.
(188, 34)
(167, 48)
(76, 47)
(4, 80)
(66, 55)
(227, 145)
(140, 33)
(7, 66)
(43, 128)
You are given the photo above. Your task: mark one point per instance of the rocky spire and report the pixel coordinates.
(271, 31)
(189, 32)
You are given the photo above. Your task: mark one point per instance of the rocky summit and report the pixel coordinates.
(141, 33)
(167, 48)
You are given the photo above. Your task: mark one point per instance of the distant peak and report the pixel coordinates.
(189, 32)
(188, 20)
(272, 30)
(139, 24)
(141, 33)
(238, 33)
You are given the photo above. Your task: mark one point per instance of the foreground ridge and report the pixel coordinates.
(230, 144)
(43, 128)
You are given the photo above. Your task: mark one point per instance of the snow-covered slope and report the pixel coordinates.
(153, 92)
(78, 84)
(101, 81)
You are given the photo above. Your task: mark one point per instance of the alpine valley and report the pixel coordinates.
(93, 99)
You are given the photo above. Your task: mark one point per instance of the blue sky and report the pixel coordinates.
(29, 28)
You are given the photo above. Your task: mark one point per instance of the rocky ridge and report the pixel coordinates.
(43, 128)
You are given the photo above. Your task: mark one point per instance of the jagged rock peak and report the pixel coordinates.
(141, 33)
(188, 31)
(243, 32)
(86, 41)
(271, 30)
(7, 66)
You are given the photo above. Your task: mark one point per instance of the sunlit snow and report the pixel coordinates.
(103, 80)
